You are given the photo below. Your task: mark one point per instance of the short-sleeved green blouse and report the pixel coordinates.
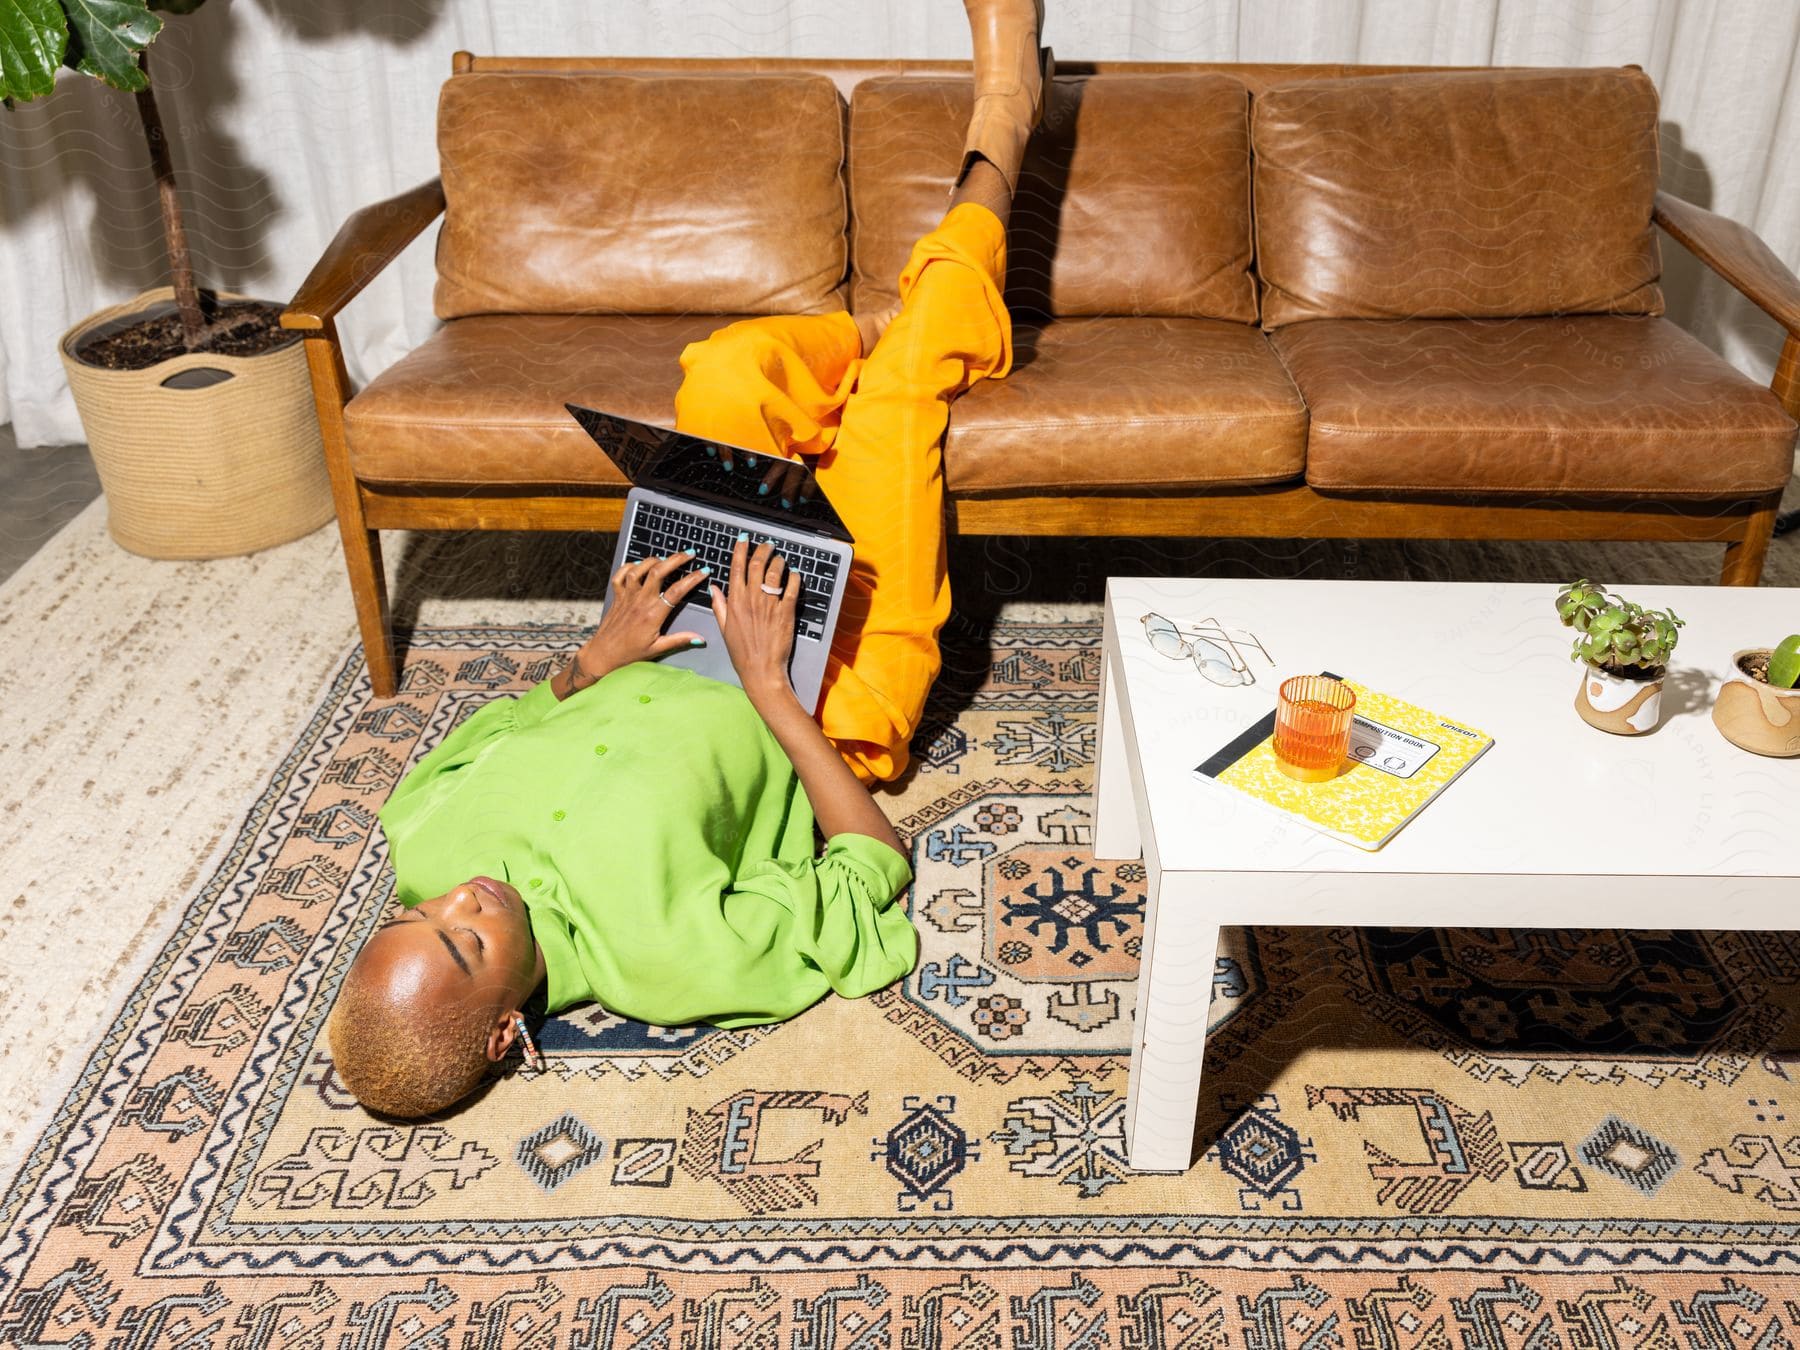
(664, 847)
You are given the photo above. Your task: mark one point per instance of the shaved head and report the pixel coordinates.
(433, 998)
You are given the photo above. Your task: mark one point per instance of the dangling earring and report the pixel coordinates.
(528, 1047)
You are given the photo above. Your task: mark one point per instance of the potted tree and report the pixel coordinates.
(196, 405)
(1625, 649)
(1758, 708)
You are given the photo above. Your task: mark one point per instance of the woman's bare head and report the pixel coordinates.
(433, 998)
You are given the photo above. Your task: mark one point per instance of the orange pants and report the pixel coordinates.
(801, 386)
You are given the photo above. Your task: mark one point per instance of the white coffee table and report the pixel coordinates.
(1709, 835)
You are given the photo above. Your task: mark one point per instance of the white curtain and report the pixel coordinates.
(287, 115)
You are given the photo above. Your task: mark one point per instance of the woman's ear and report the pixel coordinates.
(501, 1034)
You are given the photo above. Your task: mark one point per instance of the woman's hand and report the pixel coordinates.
(757, 615)
(643, 597)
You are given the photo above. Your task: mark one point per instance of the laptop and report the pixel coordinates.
(681, 497)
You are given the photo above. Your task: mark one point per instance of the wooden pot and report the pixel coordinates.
(1622, 705)
(1756, 716)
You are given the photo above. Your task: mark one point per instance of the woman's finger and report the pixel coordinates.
(740, 558)
(673, 642)
(718, 599)
(679, 587)
(772, 573)
(665, 567)
(790, 594)
(759, 563)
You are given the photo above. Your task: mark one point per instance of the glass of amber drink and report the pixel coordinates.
(1312, 727)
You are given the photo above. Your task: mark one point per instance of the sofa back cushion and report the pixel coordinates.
(1479, 194)
(648, 194)
(1135, 196)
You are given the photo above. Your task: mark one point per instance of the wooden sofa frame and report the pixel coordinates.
(371, 238)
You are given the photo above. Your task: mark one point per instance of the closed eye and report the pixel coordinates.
(480, 946)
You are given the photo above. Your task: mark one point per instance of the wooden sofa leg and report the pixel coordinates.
(1744, 557)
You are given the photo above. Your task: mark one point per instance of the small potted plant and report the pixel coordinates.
(1758, 708)
(1626, 650)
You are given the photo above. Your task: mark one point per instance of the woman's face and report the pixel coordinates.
(472, 942)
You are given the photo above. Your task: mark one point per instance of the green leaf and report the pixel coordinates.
(1784, 665)
(105, 37)
(33, 36)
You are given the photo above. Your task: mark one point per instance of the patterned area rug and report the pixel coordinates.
(1429, 1137)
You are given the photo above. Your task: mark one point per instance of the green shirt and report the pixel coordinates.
(664, 847)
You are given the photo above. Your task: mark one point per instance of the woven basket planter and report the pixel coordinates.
(230, 467)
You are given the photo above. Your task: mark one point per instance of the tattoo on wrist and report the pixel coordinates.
(575, 679)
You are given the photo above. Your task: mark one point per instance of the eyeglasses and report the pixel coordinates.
(1214, 651)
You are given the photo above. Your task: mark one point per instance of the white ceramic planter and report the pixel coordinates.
(1622, 706)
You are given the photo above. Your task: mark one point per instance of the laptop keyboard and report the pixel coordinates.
(658, 530)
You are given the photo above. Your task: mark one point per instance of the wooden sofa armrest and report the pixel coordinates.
(1736, 253)
(367, 242)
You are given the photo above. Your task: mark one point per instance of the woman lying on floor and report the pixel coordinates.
(686, 886)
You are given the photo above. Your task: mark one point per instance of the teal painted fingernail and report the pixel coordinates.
(743, 535)
(804, 499)
(710, 452)
(785, 502)
(762, 490)
(706, 571)
(696, 642)
(688, 551)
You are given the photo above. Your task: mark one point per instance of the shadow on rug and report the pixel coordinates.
(1410, 1138)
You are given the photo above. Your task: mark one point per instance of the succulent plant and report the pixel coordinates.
(1614, 633)
(1784, 663)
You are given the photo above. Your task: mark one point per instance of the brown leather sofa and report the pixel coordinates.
(1297, 301)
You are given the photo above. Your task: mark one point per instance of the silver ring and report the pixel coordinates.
(770, 590)
(665, 599)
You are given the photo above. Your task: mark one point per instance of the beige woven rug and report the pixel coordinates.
(1411, 1135)
(1574, 1138)
(143, 703)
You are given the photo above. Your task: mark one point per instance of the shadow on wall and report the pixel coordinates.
(1698, 300)
(85, 140)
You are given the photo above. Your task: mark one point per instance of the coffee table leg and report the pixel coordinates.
(1175, 982)
(1115, 804)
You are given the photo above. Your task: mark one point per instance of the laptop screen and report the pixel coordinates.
(672, 461)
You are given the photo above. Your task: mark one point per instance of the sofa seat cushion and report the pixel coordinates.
(481, 400)
(1093, 404)
(1599, 404)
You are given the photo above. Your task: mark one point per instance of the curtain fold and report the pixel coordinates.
(288, 117)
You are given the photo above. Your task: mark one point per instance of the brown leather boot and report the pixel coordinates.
(1012, 77)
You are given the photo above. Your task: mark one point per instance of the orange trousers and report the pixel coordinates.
(872, 426)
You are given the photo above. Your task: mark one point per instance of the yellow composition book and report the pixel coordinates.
(1401, 756)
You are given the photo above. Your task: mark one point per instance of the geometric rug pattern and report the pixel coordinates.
(1410, 1137)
